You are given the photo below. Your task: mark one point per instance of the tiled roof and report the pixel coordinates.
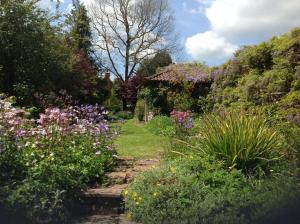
(177, 73)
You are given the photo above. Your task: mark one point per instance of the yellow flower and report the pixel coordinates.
(126, 192)
(134, 194)
(153, 166)
(140, 199)
(137, 203)
(155, 194)
(129, 215)
(173, 169)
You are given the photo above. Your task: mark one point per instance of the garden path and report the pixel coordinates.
(104, 204)
(139, 151)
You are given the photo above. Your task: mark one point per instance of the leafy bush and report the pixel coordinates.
(45, 163)
(124, 115)
(242, 141)
(198, 190)
(292, 99)
(140, 110)
(182, 101)
(162, 125)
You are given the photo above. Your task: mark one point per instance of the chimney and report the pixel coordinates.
(108, 81)
(107, 76)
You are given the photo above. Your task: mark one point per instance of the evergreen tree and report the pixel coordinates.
(80, 32)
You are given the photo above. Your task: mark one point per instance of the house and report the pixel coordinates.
(187, 80)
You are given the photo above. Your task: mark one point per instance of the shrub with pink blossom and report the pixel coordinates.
(45, 162)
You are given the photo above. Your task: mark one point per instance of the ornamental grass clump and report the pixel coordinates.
(241, 141)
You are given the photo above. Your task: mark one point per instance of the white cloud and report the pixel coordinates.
(236, 19)
(242, 21)
(209, 47)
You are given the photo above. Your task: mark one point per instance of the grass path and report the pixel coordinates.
(136, 141)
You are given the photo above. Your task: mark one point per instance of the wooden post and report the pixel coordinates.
(146, 111)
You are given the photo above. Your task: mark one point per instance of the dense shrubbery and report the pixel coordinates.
(238, 168)
(199, 190)
(260, 75)
(162, 125)
(44, 163)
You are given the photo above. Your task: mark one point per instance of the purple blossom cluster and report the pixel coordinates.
(182, 119)
(84, 119)
(193, 73)
(217, 73)
(55, 124)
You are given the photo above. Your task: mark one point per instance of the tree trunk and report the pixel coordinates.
(124, 101)
(9, 77)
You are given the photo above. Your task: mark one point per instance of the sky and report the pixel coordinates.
(212, 30)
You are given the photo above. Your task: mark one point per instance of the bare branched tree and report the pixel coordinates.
(128, 31)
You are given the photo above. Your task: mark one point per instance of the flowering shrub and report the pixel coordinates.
(183, 119)
(45, 162)
(184, 123)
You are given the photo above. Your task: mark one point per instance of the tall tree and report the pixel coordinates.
(80, 28)
(80, 40)
(35, 56)
(32, 51)
(128, 31)
(150, 66)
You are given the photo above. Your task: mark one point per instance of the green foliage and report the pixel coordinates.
(150, 66)
(242, 141)
(292, 99)
(140, 110)
(38, 182)
(182, 101)
(113, 103)
(198, 190)
(123, 115)
(80, 27)
(162, 125)
(259, 58)
(260, 75)
(37, 56)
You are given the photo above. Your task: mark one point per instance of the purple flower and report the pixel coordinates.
(109, 148)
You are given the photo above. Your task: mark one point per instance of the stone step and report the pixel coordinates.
(114, 191)
(101, 201)
(116, 178)
(107, 200)
(124, 161)
(105, 219)
(147, 162)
